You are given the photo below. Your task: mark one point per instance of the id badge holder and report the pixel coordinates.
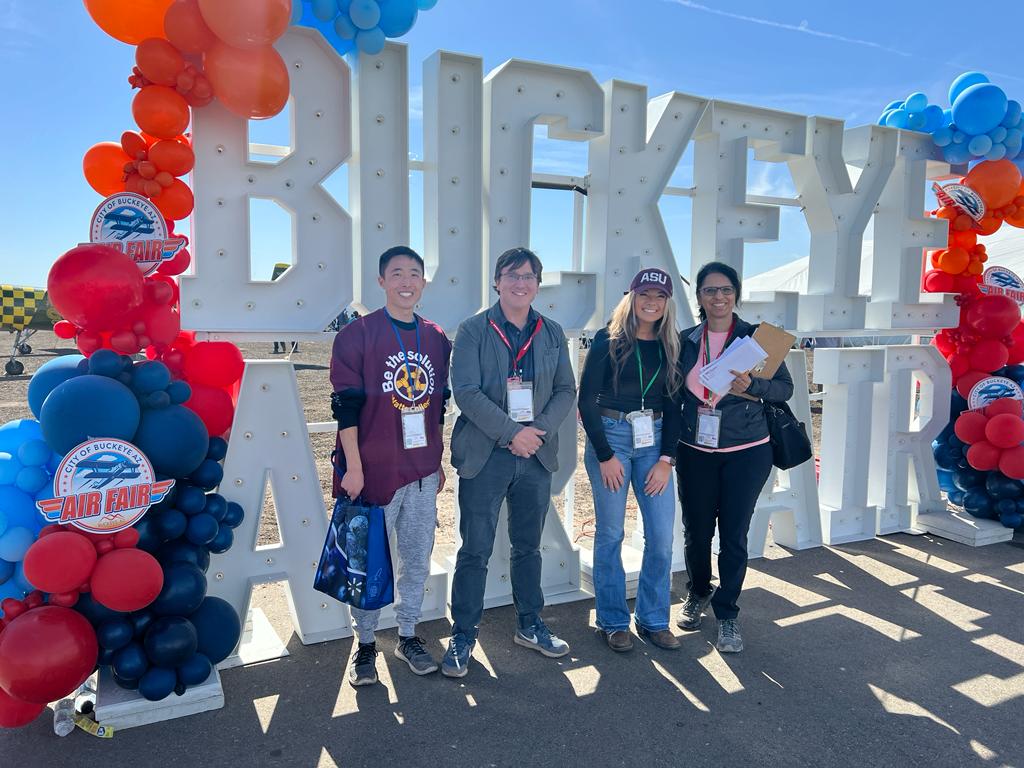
(709, 422)
(414, 428)
(643, 428)
(520, 400)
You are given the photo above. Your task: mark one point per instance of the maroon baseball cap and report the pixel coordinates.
(652, 278)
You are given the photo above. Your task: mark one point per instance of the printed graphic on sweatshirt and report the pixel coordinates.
(410, 386)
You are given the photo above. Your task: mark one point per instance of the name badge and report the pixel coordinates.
(709, 422)
(414, 428)
(643, 428)
(520, 400)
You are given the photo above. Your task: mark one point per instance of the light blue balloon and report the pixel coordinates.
(932, 118)
(397, 16)
(32, 480)
(943, 136)
(979, 145)
(916, 121)
(324, 10)
(897, 118)
(1014, 138)
(959, 137)
(426, 5)
(979, 108)
(997, 134)
(18, 508)
(893, 105)
(963, 82)
(15, 543)
(916, 102)
(947, 117)
(344, 28)
(21, 580)
(1013, 114)
(371, 41)
(365, 14)
(956, 154)
(998, 152)
(9, 468)
(14, 433)
(6, 571)
(343, 6)
(34, 453)
(297, 11)
(52, 373)
(884, 116)
(11, 589)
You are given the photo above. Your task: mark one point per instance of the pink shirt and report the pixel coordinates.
(716, 340)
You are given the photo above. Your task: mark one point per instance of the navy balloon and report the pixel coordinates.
(957, 497)
(124, 682)
(184, 552)
(106, 655)
(171, 523)
(999, 486)
(173, 438)
(140, 621)
(105, 362)
(1005, 507)
(967, 479)
(208, 475)
(158, 683)
(195, 670)
(1012, 519)
(218, 449)
(179, 392)
(222, 541)
(216, 506)
(978, 503)
(114, 634)
(50, 374)
(170, 641)
(93, 611)
(184, 589)
(150, 537)
(218, 627)
(234, 515)
(202, 529)
(130, 662)
(150, 376)
(191, 500)
(89, 406)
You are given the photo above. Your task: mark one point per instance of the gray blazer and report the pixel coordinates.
(479, 384)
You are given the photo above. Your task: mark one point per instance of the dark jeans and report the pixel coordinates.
(722, 488)
(527, 487)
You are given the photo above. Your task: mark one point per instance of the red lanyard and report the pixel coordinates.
(707, 353)
(525, 348)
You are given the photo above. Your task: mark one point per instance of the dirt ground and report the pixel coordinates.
(311, 368)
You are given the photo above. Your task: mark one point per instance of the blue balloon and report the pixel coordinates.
(324, 10)
(195, 670)
(344, 28)
(979, 108)
(14, 433)
(158, 683)
(893, 105)
(1013, 139)
(1013, 114)
(999, 486)
(171, 523)
(218, 449)
(182, 551)
(170, 641)
(115, 634)
(124, 682)
(884, 116)
(9, 469)
(191, 500)
(50, 374)
(296, 11)
(946, 480)
(932, 118)
(1004, 506)
(370, 41)
(95, 612)
(11, 589)
(157, 400)
(967, 479)
(184, 589)
(32, 480)
(956, 154)
(978, 504)
(897, 118)
(150, 376)
(173, 438)
(998, 152)
(916, 102)
(397, 16)
(88, 406)
(216, 506)
(365, 14)
(140, 621)
(14, 543)
(963, 82)
(222, 541)
(208, 475)
(6, 571)
(218, 628)
(34, 453)
(1012, 519)
(179, 392)
(957, 497)
(979, 145)
(18, 508)
(234, 515)
(150, 537)
(916, 121)
(997, 134)
(21, 580)
(130, 662)
(105, 362)
(947, 117)
(202, 529)
(426, 5)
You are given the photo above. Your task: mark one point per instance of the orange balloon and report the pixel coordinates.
(174, 157)
(252, 83)
(247, 23)
(996, 181)
(954, 260)
(160, 111)
(975, 268)
(185, 28)
(175, 202)
(967, 239)
(130, 21)
(988, 225)
(134, 145)
(103, 166)
(933, 258)
(159, 61)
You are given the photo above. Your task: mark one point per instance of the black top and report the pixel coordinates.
(598, 390)
(517, 337)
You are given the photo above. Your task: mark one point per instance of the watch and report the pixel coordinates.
(670, 460)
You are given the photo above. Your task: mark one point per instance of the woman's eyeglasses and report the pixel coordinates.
(710, 291)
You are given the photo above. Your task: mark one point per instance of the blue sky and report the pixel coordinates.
(64, 88)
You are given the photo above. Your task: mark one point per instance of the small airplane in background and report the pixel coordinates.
(24, 311)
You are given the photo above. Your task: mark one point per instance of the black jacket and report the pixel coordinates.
(743, 421)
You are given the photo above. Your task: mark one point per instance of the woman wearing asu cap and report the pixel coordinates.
(629, 403)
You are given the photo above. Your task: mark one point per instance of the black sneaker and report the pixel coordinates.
(363, 670)
(729, 638)
(693, 608)
(411, 651)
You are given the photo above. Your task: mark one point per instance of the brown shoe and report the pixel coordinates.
(663, 638)
(620, 641)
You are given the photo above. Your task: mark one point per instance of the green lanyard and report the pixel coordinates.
(640, 370)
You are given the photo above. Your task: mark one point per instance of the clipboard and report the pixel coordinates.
(777, 343)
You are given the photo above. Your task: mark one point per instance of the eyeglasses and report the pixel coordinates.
(710, 291)
(529, 278)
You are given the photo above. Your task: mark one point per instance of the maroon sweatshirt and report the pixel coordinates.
(368, 370)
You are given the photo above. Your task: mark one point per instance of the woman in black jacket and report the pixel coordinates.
(724, 457)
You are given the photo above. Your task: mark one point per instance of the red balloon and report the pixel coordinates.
(1005, 430)
(129, 537)
(177, 264)
(213, 406)
(125, 342)
(15, 713)
(96, 287)
(1004, 405)
(970, 426)
(959, 364)
(163, 324)
(214, 363)
(989, 355)
(937, 281)
(966, 383)
(983, 456)
(62, 329)
(1016, 354)
(127, 580)
(60, 562)
(944, 343)
(88, 342)
(46, 653)
(1011, 463)
(993, 316)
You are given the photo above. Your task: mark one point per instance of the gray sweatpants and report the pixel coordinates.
(411, 518)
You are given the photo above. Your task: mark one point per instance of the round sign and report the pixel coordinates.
(133, 224)
(991, 389)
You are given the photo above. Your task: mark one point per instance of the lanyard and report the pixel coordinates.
(640, 369)
(525, 348)
(405, 354)
(707, 354)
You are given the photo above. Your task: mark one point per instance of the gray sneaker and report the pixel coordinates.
(456, 659)
(729, 638)
(363, 670)
(411, 651)
(539, 638)
(693, 607)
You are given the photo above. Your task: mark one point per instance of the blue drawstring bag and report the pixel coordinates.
(355, 565)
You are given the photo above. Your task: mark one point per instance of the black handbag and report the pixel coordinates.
(788, 436)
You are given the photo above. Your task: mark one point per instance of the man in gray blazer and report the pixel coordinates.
(513, 382)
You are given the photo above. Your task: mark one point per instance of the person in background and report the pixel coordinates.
(514, 385)
(724, 456)
(389, 371)
(630, 406)
(282, 346)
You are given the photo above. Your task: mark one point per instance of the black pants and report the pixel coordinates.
(722, 488)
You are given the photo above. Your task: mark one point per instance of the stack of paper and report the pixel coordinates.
(742, 355)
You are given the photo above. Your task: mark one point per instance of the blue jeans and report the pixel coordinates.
(654, 591)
